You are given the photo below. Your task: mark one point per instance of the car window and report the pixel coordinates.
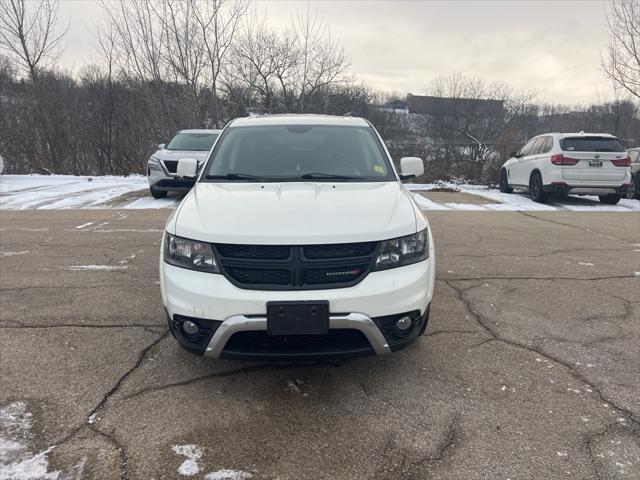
(548, 145)
(635, 156)
(195, 142)
(538, 146)
(286, 152)
(526, 150)
(591, 144)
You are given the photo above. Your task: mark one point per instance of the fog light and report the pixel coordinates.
(403, 324)
(189, 327)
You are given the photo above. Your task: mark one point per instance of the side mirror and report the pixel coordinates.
(161, 146)
(187, 168)
(411, 167)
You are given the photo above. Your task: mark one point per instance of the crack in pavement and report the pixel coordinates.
(589, 447)
(110, 436)
(116, 386)
(229, 373)
(579, 279)
(447, 443)
(443, 332)
(498, 337)
(65, 287)
(538, 255)
(79, 325)
(568, 225)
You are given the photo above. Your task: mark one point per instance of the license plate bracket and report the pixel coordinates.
(595, 163)
(298, 318)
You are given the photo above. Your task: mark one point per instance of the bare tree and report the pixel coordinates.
(622, 62)
(28, 33)
(219, 22)
(324, 61)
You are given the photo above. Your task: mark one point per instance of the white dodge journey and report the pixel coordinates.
(297, 241)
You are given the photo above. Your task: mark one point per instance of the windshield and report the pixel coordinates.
(299, 153)
(195, 142)
(591, 144)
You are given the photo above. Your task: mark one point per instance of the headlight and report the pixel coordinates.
(189, 254)
(153, 163)
(403, 251)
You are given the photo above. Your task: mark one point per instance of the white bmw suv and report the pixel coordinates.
(297, 241)
(569, 163)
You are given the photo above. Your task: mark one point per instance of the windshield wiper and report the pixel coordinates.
(328, 176)
(235, 176)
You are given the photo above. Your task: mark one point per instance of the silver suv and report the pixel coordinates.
(161, 167)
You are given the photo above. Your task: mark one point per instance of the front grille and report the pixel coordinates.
(255, 276)
(259, 252)
(314, 252)
(336, 342)
(286, 267)
(171, 165)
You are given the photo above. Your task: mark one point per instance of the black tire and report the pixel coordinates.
(536, 188)
(611, 199)
(634, 189)
(157, 193)
(504, 182)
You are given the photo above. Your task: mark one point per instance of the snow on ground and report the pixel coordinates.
(17, 461)
(513, 201)
(190, 466)
(19, 192)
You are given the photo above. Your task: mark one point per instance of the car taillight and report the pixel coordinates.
(560, 159)
(622, 162)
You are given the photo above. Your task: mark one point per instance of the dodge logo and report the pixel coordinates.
(355, 271)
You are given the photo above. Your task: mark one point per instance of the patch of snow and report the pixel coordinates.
(189, 467)
(10, 254)
(513, 201)
(92, 419)
(84, 225)
(425, 204)
(17, 461)
(562, 454)
(227, 474)
(81, 268)
(587, 264)
(150, 202)
(294, 386)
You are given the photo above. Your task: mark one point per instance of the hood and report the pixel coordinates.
(164, 154)
(295, 213)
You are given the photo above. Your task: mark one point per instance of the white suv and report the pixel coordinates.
(575, 163)
(298, 240)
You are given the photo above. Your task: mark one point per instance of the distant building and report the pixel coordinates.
(442, 106)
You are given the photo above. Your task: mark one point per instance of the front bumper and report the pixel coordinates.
(162, 181)
(361, 316)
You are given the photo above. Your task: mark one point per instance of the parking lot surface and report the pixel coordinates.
(529, 368)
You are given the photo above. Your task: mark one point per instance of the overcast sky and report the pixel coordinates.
(552, 47)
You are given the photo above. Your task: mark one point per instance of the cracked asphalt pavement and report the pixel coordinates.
(530, 367)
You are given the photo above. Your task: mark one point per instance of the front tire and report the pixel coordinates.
(634, 189)
(504, 182)
(536, 188)
(157, 193)
(611, 199)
